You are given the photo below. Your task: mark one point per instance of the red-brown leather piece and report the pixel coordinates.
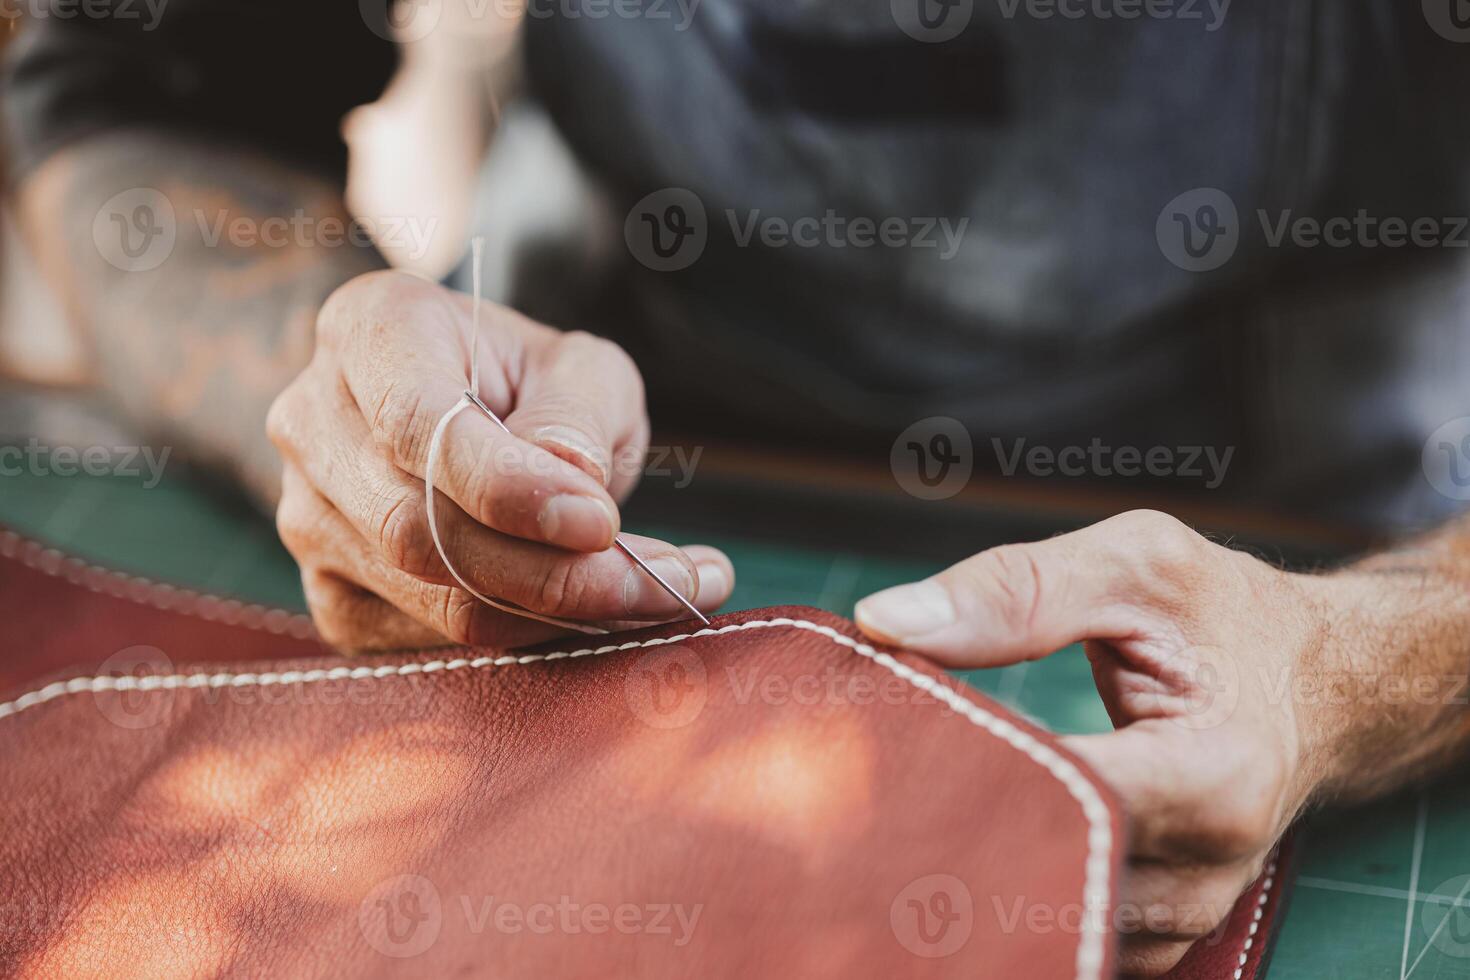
(310, 828)
(272, 829)
(66, 617)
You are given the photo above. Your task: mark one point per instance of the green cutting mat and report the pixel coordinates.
(1383, 892)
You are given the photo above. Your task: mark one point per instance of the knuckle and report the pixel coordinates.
(457, 614)
(402, 527)
(334, 319)
(339, 317)
(296, 526)
(610, 356)
(1012, 578)
(397, 423)
(558, 590)
(1167, 541)
(280, 419)
(331, 610)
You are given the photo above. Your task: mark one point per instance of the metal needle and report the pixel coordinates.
(621, 544)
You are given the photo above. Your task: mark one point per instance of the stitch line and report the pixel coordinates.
(1091, 948)
(159, 595)
(1256, 916)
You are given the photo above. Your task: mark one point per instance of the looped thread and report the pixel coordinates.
(436, 444)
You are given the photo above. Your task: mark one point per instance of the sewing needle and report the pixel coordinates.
(618, 541)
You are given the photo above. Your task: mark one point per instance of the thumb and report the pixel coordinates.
(1002, 606)
(1160, 775)
(582, 400)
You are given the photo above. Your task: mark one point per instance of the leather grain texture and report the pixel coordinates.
(197, 788)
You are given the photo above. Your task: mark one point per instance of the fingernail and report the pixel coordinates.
(579, 523)
(576, 444)
(712, 581)
(643, 596)
(907, 612)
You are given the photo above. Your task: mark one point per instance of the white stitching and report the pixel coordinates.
(146, 592)
(1259, 913)
(1095, 893)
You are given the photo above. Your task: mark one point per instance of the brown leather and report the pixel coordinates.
(1241, 947)
(72, 617)
(773, 797)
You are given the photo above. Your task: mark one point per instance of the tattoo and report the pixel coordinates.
(193, 341)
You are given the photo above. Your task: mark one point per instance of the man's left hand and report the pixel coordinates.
(1192, 646)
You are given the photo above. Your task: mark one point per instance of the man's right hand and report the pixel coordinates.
(527, 517)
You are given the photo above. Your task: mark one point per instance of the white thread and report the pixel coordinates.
(477, 249)
(159, 595)
(435, 443)
(1091, 949)
(1259, 913)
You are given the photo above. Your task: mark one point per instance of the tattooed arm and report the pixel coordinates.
(198, 318)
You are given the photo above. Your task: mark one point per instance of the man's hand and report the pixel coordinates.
(527, 517)
(1195, 650)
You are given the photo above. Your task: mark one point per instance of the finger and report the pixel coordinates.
(321, 539)
(352, 619)
(318, 426)
(1174, 902)
(549, 581)
(404, 362)
(1145, 957)
(1025, 601)
(1182, 791)
(716, 576)
(581, 398)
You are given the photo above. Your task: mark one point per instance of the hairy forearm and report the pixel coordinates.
(1391, 677)
(196, 346)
